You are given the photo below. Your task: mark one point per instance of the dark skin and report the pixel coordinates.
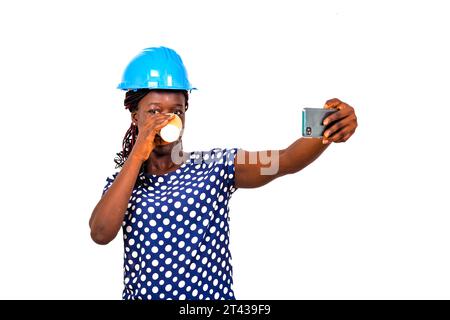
(341, 126)
(155, 154)
(157, 102)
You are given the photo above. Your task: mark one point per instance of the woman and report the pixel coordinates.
(173, 205)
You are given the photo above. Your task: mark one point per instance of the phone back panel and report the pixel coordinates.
(312, 119)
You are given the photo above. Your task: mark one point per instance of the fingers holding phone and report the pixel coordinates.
(336, 122)
(340, 125)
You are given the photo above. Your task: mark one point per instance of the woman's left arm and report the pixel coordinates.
(255, 169)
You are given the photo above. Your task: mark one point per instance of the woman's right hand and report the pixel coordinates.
(148, 128)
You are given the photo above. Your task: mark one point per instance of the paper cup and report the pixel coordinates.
(171, 132)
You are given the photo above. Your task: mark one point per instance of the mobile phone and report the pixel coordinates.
(312, 121)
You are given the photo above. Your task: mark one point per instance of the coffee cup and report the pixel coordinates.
(172, 130)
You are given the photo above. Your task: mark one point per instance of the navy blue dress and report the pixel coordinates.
(176, 231)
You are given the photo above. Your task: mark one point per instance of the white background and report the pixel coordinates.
(368, 220)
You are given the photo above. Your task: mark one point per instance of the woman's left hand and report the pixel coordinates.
(341, 124)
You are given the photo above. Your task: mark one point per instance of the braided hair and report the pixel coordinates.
(132, 98)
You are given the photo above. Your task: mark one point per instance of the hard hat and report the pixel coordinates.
(156, 68)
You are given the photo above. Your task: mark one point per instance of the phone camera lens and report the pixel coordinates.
(308, 131)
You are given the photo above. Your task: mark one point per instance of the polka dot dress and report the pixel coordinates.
(176, 231)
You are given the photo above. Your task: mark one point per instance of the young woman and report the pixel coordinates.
(173, 205)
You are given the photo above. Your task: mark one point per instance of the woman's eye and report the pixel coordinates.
(178, 112)
(153, 111)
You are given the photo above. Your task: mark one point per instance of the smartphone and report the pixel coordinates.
(312, 121)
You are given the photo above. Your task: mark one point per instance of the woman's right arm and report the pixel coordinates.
(108, 214)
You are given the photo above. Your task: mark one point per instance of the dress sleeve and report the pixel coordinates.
(109, 180)
(229, 154)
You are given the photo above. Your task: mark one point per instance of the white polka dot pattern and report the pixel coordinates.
(176, 231)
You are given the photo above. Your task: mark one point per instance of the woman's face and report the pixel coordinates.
(162, 101)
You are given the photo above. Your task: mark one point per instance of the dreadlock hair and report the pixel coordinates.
(132, 98)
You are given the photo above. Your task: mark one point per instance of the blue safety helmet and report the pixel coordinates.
(156, 68)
